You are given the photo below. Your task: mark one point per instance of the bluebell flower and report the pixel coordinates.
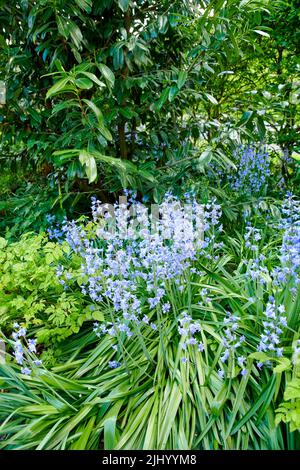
(114, 364)
(270, 337)
(32, 345)
(25, 371)
(37, 362)
(252, 173)
(231, 339)
(22, 347)
(166, 307)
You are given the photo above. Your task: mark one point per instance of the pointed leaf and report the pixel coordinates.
(182, 77)
(84, 83)
(95, 109)
(123, 4)
(107, 74)
(58, 87)
(93, 77)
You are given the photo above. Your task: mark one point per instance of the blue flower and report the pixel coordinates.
(114, 364)
(270, 337)
(32, 345)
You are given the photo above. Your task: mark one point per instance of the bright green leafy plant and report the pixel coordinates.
(31, 293)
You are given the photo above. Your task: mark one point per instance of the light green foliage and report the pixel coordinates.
(31, 294)
(289, 410)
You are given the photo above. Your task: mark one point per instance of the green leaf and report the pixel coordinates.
(283, 364)
(237, 405)
(72, 169)
(182, 77)
(205, 157)
(211, 98)
(296, 156)
(84, 83)
(65, 105)
(58, 87)
(261, 399)
(247, 115)
(261, 127)
(95, 109)
(91, 170)
(259, 356)
(107, 74)
(292, 391)
(162, 23)
(61, 25)
(110, 426)
(75, 33)
(118, 58)
(85, 5)
(170, 415)
(172, 92)
(93, 77)
(38, 409)
(162, 99)
(87, 160)
(123, 4)
(262, 33)
(127, 113)
(220, 400)
(3, 243)
(83, 440)
(105, 132)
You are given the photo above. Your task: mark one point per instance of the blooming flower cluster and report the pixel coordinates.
(256, 267)
(289, 267)
(232, 341)
(140, 254)
(290, 248)
(23, 349)
(252, 236)
(187, 329)
(54, 230)
(273, 328)
(253, 170)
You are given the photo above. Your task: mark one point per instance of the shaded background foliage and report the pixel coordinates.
(103, 94)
